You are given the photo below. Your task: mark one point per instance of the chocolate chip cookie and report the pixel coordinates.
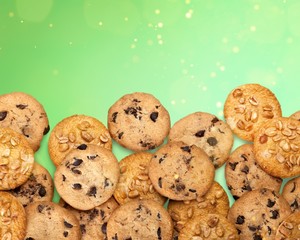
(207, 132)
(74, 131)
(243, 174)
(257, 214)
(24, 114)
(181, 172)
(138, 121)
(87, 177)
(248, 105)
(140, 219)
(289, 228)
(291, 193)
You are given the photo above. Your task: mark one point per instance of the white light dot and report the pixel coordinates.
(157, 11)
(256, 7)
(191, 65)
(279, 70)
(204, 88)
(50, 25)
(225, 40)
(158, 36)
(183, 101)
(22, 21)
(185, 71)
(289, 40)
(100, 23)
(160, 24)
(189, 14)
(55, 72)
(132, 46)
(173, 102)
(187, 1)
(218, 63)
(222, 68)
(70, 43)
(125, 19)
(160, 42)
(11, 14)
(220, 113)
(35, 46)
(213, 74)
(252, 28)
(235, 49)
(219, 104)
(135, 40)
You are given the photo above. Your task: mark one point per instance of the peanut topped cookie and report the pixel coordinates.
(207, 132)
(289, 228)
(276, 147)
(248, 105)
(296, 115)
(24, 114)
(73, 131)
(138, 121)
(291, 193)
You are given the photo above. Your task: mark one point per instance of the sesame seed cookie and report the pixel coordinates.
(289, 228)
(210, 226)
(16, 159)
(134, 179)
(12, 217)
(87, 177)
(214, 201)
(276, 147)
(258, 213)
(39, 187)
(243, 174)
(248, 105)
(296, 115)
(291, 193)
(73, 131)
(138, 121)
(140, 219)
(25, 115)
(207, 132)
(181, 172)
(48, 220)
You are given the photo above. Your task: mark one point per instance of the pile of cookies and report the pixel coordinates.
(160, 190)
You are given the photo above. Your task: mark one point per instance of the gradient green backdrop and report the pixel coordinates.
(79, 57)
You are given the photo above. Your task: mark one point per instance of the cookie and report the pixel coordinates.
(138, 121)
(87, 177)
(48, 220)
(93, 223)
(289, 228)
(207, 132)
(243, 174)
(24, 114)
(39, 187)
(248, 105)
(210, 226)
(74, 131)
(134, 179)
(296, 115)
(16, 159)
(291, 193)
(140, 219)
(258, 213)
(214, 201)
(181, 172)
(12, 217)
(276, 147)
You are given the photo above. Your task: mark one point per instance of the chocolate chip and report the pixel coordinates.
(215, 120)
(270, 203)
(257, 237)
(159, 233)
(129, 238)
(295, 204)
(104, 227)
(114, 117)
(244, 156)
(46, 130)
(240, 220)
(200, 133)
(269, 230)
(134, 111)
(76, 171)
(235, 197)
(92, 191)
(245, 169)
(76, 186)
(82, 229)
(66, 233)
(158, 216)
(253, 228)
(160, 182)
(24, 131)
(275, 214)
(106, 182)
(63, 177)
(82, 147)
(115, 237)
(186, 149)
(92, 157)
(192, 190)
(21, 106)
(93, 213)
(120, 135)
(68, 225)
(230, 187)
(3, 115)
(247, 187)
(102, 213)
(212, 141)
(233, 165)
(29, 238)
(154, 116)
(180, 187)
(77, 162)
(40, 208)
(42, 191)
(136, 100)
(294, 187)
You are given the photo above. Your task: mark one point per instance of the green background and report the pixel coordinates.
(79, 57)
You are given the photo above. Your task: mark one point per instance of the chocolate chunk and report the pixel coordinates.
(233, 165)
(247, 187)
(42, 191)
(275, 214)
(230, 187)
(269, 230)
(294, 187)
(82, 147)
(24, 131)
(120, 135)
(106, 182)
(104, 227)
(154, 116)
(77, 162)
(29, 238)
(257, 237)
(180, 187)
(192, 190)
(160, 182)
(68, 225)
(63, 177)
(102, 213)
(212, 141)
(235, 197)
(240, 220)
(134, 111)
(295, 204)
(46, 130)
(114, 117)
(270, 203)
(186, 149)
(158, 216)
(66, 233)
(76, 186)
(159, 233)
(40, 208)
(3, 115)
(244, 156)
(245, 170)
(76, 171)
(253, 228)
(92, 157)
(92, 191)
(136, 100)
(200, 133)
(21, 106)
(129, 238)
(93, 213)
(82, 229)
(115, 237)
(215, 120)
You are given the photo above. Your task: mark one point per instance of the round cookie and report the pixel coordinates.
(207, 132)
(276, 147)
(12, 217)
(48, 220)
(87, 177)
(39, 187)
(16, 159)
(134, 179)
(138, 121)
(214, 201)
(289, 228)
(248, 105)
(25, 115)
(258, 213)
(74, 131)
(181, 172)
(296, 115)
(93, 223)
(210, 226)
(243, 174)
(140, 219)
(291, 193)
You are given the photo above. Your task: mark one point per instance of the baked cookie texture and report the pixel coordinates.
(73, 131)
(291, 193)
(276, 147)
(25, 115)
(296, 115)
(289, 228)
(206, 131)
(138, 121)
(247, 106)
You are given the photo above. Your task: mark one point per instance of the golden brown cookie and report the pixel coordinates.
(243, 174)
(210, 226)
(291, 193)
(277, 145)
(12, 217)
(134, 179)
(289, 228)
(25, 115)
(214, 201)
(181, 172)
(74, 131)
(296, 115)
(16, 159)
(248, 105)
(206, 131)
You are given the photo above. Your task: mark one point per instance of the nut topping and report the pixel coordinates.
(253, 101)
